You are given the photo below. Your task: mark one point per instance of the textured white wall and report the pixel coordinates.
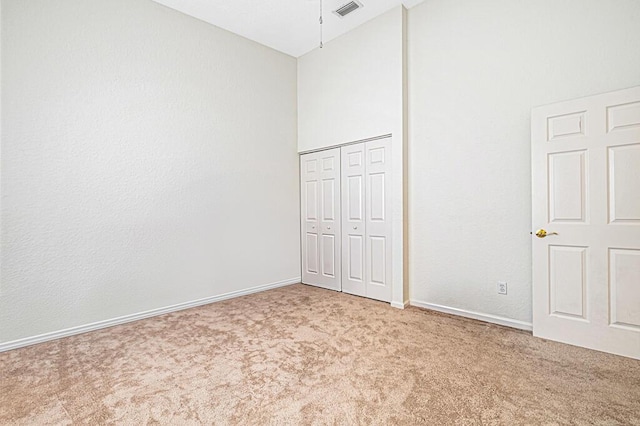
(475, 71)
(148, 159)
(352, 89)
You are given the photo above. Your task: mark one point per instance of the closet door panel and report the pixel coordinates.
(328, 256)
(378, 219)
(353, 219)
(355, 264)
(309, 175)
(329, 219)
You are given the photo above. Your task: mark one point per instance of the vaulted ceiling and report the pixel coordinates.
(290, 26)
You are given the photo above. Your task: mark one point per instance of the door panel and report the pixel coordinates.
(567, 281)
(330, 222)
(311, 201)
(309, 194)
(355, 258)
(624, 287)
(328, 255)
(354, 200)
(623, 116)
(378, 219)
(328, 200)
(377, 197)
(353, 223)
(567, 186)
(624, 183)
(311, 254)
(586, 175)
(378, 260)
(320, 202)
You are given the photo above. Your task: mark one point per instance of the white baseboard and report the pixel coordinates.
(7, 346)
(400, 305)
(495, 319)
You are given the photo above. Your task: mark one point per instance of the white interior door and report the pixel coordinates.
(586, 196)
(353, 219)
(320, 196)
(378, 219)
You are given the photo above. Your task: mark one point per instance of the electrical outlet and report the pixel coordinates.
(502, 287)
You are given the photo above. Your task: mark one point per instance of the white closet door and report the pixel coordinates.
(310, 195)
(378, 219)
(353, 219)
(320, 205)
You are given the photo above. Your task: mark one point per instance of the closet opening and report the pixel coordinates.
(346, 228)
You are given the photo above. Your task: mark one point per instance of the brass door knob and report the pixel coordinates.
(541, 233)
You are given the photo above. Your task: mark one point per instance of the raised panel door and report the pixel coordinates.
(378, 219)
(586, 195)
(320, 205)
(353, 219)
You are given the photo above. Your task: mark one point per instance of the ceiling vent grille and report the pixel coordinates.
(346, 9)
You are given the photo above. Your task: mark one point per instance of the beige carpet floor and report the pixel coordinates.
(302, 355)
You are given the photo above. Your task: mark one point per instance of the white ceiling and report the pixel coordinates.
(290, 26)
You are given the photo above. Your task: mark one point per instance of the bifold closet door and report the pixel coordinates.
(366, 219)
(320, 205)
(378, 219)
(353, 220)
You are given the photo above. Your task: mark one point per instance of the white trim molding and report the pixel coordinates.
(324, 148)
(495, 319)
(400, 305)
(28, 341)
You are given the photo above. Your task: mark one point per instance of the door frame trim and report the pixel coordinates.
(340, 145)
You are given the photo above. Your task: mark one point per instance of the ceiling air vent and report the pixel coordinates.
(346, 9)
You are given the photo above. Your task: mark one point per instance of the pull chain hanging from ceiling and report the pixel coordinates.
(321, 45)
